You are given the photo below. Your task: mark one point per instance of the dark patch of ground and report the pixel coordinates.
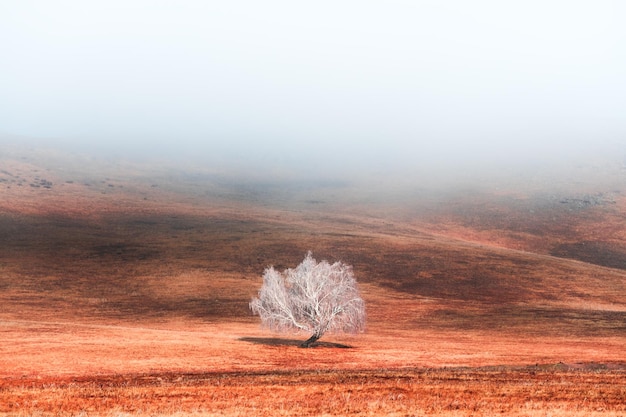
(594, 252)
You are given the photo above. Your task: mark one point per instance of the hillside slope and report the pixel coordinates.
(141, 253)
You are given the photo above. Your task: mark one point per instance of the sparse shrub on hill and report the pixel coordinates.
(316, 298)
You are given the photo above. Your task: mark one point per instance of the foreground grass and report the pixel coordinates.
(530, 391)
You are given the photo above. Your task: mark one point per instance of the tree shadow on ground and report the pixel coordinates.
(277, 341)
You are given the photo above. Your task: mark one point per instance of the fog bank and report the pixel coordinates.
(447, 90)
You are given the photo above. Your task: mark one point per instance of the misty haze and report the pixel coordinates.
(462, 163)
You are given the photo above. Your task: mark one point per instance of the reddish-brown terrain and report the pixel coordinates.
(124, 290)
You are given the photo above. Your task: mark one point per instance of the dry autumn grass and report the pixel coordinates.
(125, 291)
(530, 391)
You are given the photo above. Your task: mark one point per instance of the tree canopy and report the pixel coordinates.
(315, 297)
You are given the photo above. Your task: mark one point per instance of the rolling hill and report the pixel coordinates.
(113, 266)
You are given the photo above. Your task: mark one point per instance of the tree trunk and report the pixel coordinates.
(307, 343)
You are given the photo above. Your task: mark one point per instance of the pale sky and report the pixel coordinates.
(321, 85)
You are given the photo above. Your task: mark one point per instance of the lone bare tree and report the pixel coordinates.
(314, 297)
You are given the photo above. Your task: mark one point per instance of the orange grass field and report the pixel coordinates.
(124, 290)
